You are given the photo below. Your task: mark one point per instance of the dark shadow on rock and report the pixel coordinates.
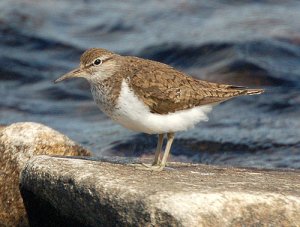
(38, 211)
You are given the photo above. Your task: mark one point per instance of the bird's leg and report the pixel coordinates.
(167, 150)
(157, 152)
(160, 166)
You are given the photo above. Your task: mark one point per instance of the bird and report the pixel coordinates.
(149, 96)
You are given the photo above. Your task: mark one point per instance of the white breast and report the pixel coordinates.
(133, 114)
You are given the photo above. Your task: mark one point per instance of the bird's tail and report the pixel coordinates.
(246, 91)
(254, 91)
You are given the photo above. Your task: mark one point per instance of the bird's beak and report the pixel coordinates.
(74, 73)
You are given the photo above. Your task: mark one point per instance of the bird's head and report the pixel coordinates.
(96, 64)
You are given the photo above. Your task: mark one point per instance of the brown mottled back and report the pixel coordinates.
(166, 90)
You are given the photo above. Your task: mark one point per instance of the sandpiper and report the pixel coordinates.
(150, 97)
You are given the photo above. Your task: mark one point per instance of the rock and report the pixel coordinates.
(18, 143)
(78, 192)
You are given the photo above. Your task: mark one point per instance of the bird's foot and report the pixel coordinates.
(149, 167)
(156, 168)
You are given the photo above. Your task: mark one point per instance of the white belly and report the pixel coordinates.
(133, 114)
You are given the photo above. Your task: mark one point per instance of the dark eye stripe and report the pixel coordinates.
(104, 60)
(107, 59)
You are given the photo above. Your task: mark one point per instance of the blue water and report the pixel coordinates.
(251, 43)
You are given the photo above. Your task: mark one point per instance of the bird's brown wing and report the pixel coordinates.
(165, 90)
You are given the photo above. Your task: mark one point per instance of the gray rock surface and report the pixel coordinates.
(18, 143)
(83, 192)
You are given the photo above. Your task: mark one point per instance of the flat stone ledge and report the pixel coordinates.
(80, 192)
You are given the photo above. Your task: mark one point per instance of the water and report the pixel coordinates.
(253, 43)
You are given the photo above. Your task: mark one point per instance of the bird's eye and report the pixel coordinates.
(97, 62)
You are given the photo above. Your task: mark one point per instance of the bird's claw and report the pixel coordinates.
(149, 167)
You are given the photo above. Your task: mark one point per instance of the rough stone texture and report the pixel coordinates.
(77, 192)
(18, 143)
